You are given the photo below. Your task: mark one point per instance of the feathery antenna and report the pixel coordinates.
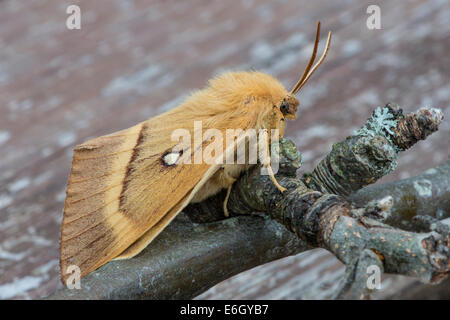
(310, 70)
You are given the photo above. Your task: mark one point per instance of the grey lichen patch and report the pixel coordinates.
(290, 157)
(431, 171)
(380, 153)
(423, 188)
(353, 164)
(381, 123)
(363, 158)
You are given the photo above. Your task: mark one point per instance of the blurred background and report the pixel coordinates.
(135, 59)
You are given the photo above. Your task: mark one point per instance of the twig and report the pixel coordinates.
(327, 220)
(187, 259)
(425, 194)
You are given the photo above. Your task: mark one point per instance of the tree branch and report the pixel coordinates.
(187, 258)
(425, 194)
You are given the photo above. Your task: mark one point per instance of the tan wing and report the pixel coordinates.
(119, 189)
(156, 229)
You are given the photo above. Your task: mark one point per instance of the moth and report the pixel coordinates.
(126, 187)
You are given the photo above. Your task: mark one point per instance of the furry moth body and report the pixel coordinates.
(126, 187)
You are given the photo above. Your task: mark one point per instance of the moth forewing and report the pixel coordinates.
(125, 188)
(153, 232)
(120, 189)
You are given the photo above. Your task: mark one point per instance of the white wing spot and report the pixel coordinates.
(171, 158)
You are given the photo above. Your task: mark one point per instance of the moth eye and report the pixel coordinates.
(171, 158)
(284, 108)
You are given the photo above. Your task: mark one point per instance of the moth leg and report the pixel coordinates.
(229, 175)
(274, 180)
(271, 174)
(225, 202)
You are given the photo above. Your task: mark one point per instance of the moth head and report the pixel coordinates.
(289, 104)
(288, 107)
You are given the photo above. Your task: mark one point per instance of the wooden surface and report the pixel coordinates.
(134, 59)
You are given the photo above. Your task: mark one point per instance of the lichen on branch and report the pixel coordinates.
(314, 207)
(372, 152)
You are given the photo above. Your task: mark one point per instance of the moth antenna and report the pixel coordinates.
(322, 58)
(310, 63)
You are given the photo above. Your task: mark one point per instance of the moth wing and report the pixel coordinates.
(155, 229)
(119, 189)
(141, 243)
